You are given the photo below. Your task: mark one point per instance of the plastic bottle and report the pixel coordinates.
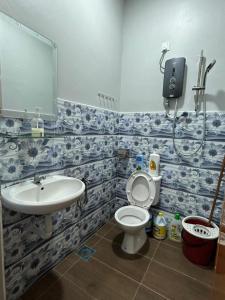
(139, 162)
(175, 229)
(37, 125)
(154, 161)
(160, 227)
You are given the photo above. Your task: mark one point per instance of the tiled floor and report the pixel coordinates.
(159, 271)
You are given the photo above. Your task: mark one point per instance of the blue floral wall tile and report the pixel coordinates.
(92, 149)
(89, 224)
(126, 167)
(141, 145)
(110, 121)
(116, 204)
(85, 145)
(70, 120)
(117, 122)
(77, 172)
(141, 124)
(160, 125)
(38, 153)
(93, 120)
(109, 190)
(121, 188)
(10, 217)
(12, 126)
(215, 126)
(22, 274)
(94, 173)
(94, 198)
(11, 169)
(125, 142)
(109, 169)
(110, 146)
(126, 124)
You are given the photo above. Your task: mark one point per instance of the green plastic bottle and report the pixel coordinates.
(175, 229)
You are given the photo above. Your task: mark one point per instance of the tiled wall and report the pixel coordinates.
(85, 144)
(188, 184)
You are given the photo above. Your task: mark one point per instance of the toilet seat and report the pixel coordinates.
(141, 189)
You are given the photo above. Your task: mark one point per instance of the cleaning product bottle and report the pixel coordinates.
(160, 227)
(37, 125)
(154, 161)
(175, 229)
(139, 162)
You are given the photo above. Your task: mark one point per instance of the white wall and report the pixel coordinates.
(189, 26)
(89, 38)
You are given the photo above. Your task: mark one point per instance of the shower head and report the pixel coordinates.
(209, 67)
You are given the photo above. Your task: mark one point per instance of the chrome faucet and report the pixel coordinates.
(38, 179)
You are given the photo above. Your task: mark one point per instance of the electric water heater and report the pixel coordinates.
(174, 77)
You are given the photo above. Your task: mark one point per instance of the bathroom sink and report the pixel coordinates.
(51, 194)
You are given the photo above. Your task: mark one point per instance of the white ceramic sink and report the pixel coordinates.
(53, 193)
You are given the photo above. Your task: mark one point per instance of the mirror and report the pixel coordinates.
(28, 71)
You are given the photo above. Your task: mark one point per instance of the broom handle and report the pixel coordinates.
(217, 191)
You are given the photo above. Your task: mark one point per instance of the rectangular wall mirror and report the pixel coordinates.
(28, 71)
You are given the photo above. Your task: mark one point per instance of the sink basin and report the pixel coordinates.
(53, 193)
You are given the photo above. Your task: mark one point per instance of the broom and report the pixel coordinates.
(217, 191)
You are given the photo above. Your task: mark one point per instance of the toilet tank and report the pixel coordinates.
(157, 180)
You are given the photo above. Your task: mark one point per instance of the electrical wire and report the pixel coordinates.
(161, 60)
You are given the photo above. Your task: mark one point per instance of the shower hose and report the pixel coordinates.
(202, 143)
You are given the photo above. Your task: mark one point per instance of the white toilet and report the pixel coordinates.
(142, 191)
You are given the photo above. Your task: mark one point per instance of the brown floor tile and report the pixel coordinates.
(92, 240)
(40, 286)
(132, 265)
(115, 235)
(68, 261)
(146, 294)
(105, 229)
(150, 247)
(172, 243)
(174, 258)
(174, 285)
(101, 281)
(64, 289)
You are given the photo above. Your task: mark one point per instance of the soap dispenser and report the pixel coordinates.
(37, 124)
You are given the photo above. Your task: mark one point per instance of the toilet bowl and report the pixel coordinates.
(142, 191)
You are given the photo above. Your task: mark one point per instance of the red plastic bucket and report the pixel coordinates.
(200, 251)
